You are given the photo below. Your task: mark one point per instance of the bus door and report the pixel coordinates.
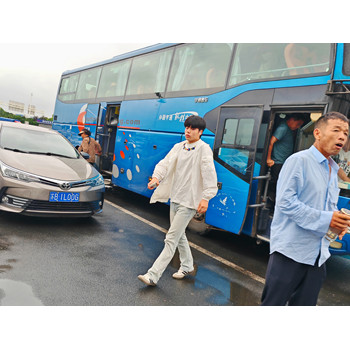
(303, 139)
(234, 151)
(106, 136)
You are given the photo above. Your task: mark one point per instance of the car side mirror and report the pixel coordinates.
(85, 155)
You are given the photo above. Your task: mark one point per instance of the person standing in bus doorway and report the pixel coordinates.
(187, 176)
(306, 206)
(280, 148)
(90, 146)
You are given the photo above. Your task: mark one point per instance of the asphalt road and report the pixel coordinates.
(96, 261)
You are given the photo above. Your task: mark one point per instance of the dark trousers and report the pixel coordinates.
(291, 282)
(275, 171)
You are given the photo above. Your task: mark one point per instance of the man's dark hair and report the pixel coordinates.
(195, 122)
(328, 116)
(297, 116)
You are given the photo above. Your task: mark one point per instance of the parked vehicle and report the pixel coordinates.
(42, 174)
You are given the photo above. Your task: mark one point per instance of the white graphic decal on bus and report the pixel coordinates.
(177, 117)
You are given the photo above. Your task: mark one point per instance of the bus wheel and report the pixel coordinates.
(198, 225)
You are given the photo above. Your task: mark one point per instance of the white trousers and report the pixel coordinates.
(180, 217)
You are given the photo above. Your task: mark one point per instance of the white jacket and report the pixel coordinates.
(203, 180)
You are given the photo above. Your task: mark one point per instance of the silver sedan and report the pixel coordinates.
(42, 174)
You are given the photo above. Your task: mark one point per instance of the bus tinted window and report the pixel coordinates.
(113, 79)
(68, 88)
(235, 158)
(88, 82)
(238, 132)
(266, 61)
(230, 131)
(200, 66)
(237, 136)
(346, 64)
(244, 133)
(149, 73)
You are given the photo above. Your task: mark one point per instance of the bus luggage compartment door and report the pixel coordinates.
(234, 151)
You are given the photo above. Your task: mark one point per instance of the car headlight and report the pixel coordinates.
(17, 174)
(96, 181)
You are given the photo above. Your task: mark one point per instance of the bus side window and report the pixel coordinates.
(113, 79)
(88, 83)
(268, 61)
(307, 58)
(68, 88)
(200, 66)
(148, 73)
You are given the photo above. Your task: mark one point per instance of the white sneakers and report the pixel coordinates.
(181, 273)
(146, 280)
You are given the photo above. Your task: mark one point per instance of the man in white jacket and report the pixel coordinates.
(187, 176)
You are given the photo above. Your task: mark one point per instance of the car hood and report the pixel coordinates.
(53, 167)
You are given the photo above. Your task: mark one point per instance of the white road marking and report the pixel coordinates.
(193, 245)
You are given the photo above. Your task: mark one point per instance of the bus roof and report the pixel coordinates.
(121, 57)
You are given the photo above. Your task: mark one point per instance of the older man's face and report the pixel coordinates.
(331, 137)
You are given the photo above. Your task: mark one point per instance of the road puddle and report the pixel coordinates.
(224, 290)
(242, 296)
(14, 293)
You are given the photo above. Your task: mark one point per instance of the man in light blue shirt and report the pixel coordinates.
(306, 205)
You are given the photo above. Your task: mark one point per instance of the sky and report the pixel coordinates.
(39, 41)
(30, 72)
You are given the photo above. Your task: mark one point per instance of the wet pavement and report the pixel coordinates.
(17, 293)
(96, 261)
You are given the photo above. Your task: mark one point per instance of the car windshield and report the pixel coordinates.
(37, 142)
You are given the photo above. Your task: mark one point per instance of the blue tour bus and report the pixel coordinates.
(135, 105)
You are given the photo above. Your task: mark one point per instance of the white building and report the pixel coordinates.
(16, 107)
(20, 108)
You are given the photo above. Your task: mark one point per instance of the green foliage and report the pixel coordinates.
(5, 114)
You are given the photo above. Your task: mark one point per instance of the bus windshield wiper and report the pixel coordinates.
(51, 154)
(15, 150)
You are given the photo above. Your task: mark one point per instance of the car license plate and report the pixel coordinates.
(64, 197)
